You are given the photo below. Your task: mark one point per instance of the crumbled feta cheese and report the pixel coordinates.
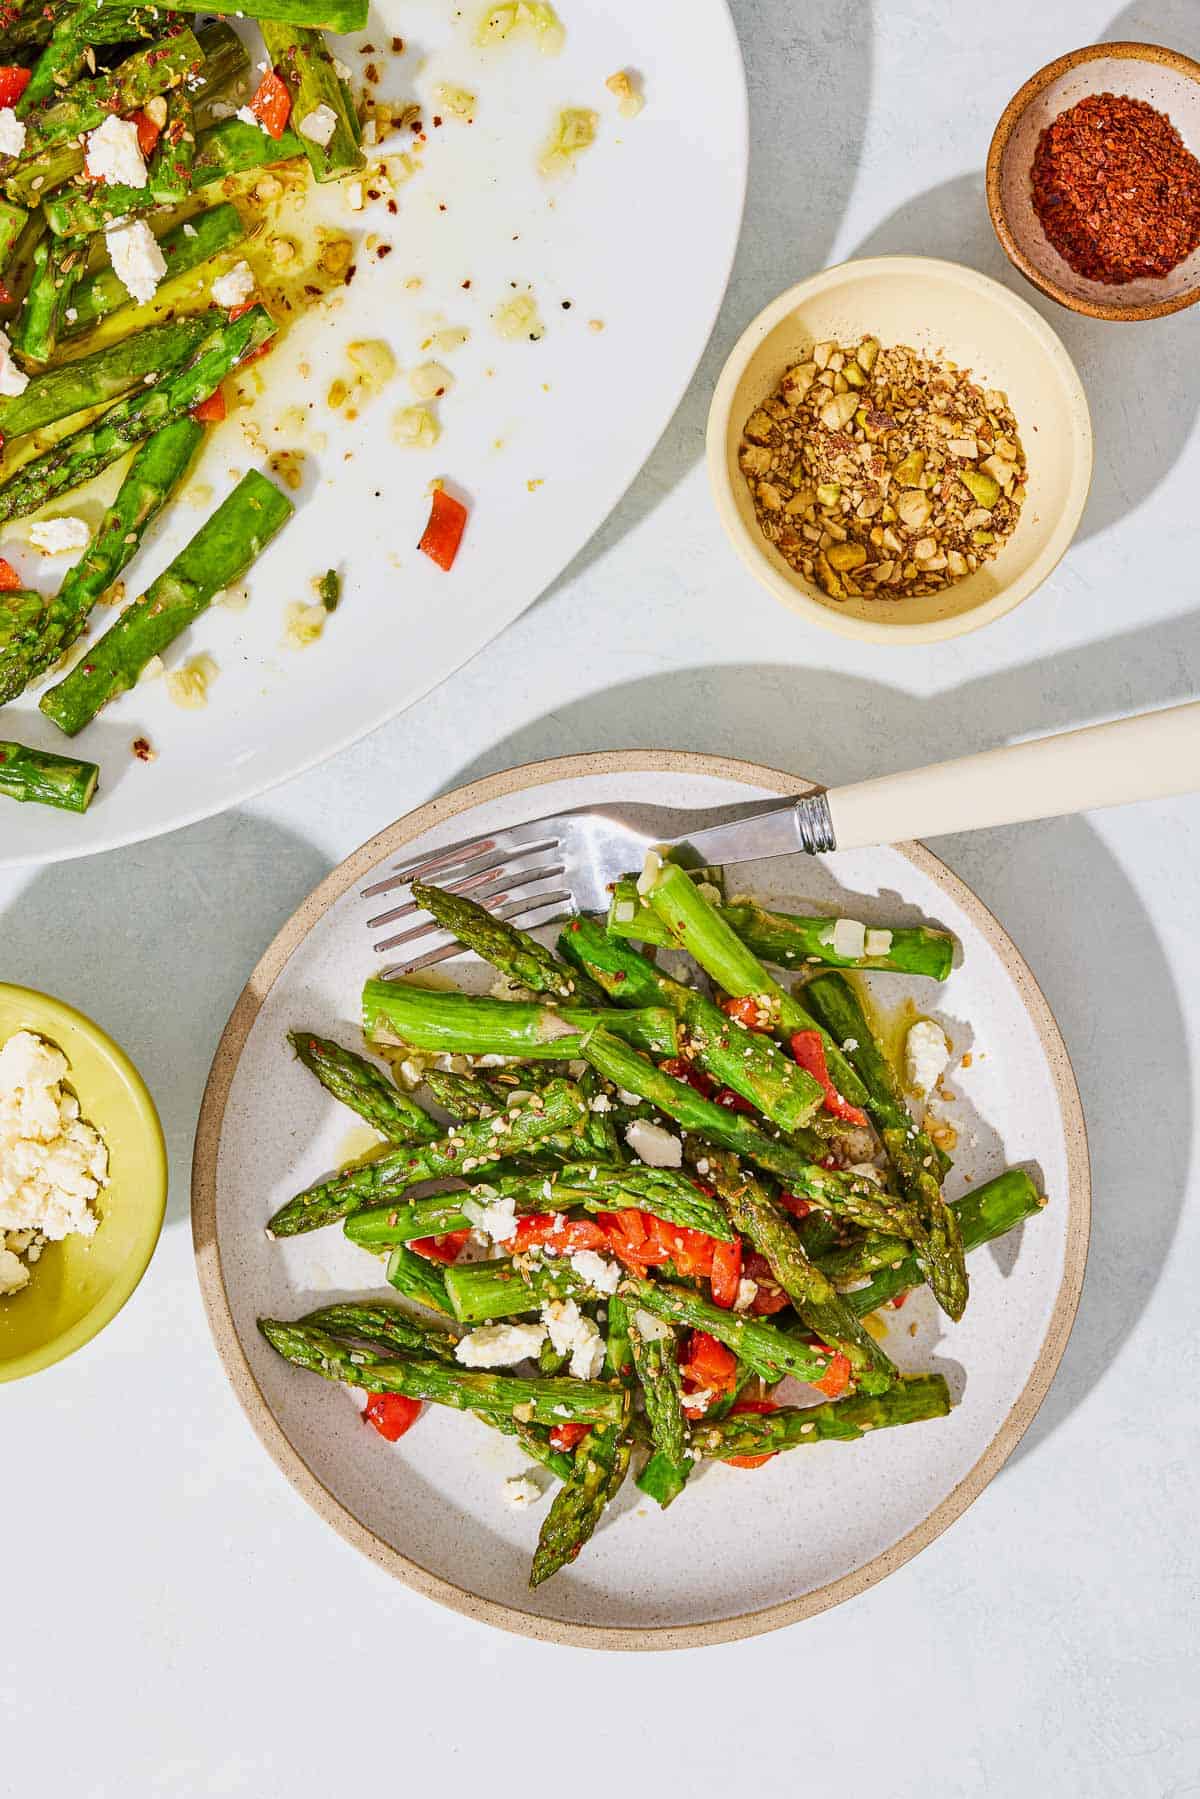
(850, 1044)
(54, 536)
(879, 943)
(495, 1219)
(251, 118)
(189, 230)
(926, 1054)
(649, 1328)
(521, 1490)
(574, 1335)
(12, 132)
(499, 1345)
(654, 1146)
(13, 1272)
(235, 287)
(624, 912)
(137, 261)
(601, 1103)
(700, 1400)
(341, 69)
(13, 381)
(319, 125)
(628, 1099)
(849, 938)
(52, 1164)
(113, 154)
(650, 870)
(354, 195)
(747, 1293)
(598, 1271)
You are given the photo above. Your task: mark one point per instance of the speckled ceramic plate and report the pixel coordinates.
(739, 1552)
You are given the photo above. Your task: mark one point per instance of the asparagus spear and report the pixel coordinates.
(466, 1147)
(461, 1024)
(64, 55)
(18, 266)
(834, 1003)
(418, 1279)
(847, 1196)
(22, 621)
(818, 1303)
(13, 220)
(481, 1292)
(471, 1096)
(747, 1061)
(465, 1389)
(230, 147)
(86, 104)
(662, 1192)
(322, 108)
(383, 1326)
(225, 57)
(185, 248)
(656, 1359)
(58, 264)
(515, 953)
(87, 452)
(327, 15)
(28, 774)
(362, 1087)
(105, 374)
(989, 1212)
(156, 470)
(788, 939)
(218, 555)
(763, 1347)
(913, 1399)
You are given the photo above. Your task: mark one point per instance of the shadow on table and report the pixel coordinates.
(162, 978)
(809, 80)
(1058, 890)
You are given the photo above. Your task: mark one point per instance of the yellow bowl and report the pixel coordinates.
(936, 308)
(79, 1284)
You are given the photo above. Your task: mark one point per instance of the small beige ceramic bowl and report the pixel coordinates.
(938, 308)
(1166, 80)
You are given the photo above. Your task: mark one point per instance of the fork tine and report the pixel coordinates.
(498, 903)
(505, 844)
(555, 908)
(487, 887)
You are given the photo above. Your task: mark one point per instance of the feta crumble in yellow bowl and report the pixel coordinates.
(77, 1285)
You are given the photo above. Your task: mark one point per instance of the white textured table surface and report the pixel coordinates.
(173, 1621)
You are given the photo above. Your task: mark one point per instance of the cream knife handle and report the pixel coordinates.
(1149, 757)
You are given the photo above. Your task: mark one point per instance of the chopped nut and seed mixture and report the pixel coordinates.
(881, 472)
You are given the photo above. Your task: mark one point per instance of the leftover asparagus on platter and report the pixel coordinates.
(634, 1204)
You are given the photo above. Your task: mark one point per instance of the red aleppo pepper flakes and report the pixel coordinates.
(1116, 190)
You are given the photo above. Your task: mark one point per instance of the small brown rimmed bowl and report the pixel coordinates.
(1164, 79)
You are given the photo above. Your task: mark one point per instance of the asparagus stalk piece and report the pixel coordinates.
(185, 248)
(515, 953)
(656, 1359)
(302, 61)
(846, 1196)
(481, 1292)
(747, 1061)
(157, 468)
(766, 1349)
(104, 375)
(28, 774)
(817, 1301)
(461, 1024)
(788, 939)
(22, 622)
(367, 1091)
(701, 930)
(467, 1147)
(914, 1399)
(84, 454)
(13, 220)
(18, 266)
(230, 147)
(327, 15)
(471, 1096)
(418, 1279)
(989, 1212)
(662, 1192)
(465, 1389)
(58, 264)
(835, 1005)
(384, 1327)
(86, 104)
(219, 554)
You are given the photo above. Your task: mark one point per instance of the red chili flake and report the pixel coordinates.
(1116, 189)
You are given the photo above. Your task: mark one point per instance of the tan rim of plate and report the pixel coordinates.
(1006, 124)
(389, 843)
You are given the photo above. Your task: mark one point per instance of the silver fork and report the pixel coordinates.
(552, 868)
